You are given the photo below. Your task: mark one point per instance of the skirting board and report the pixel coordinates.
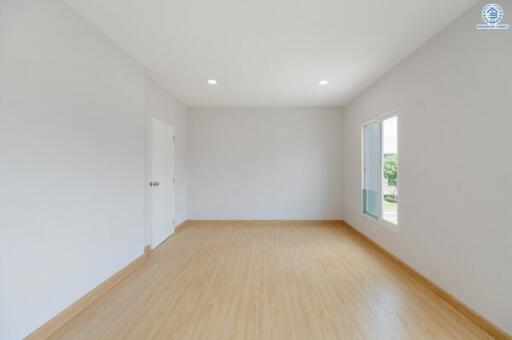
(147, 250)
(88, 299)
(69, 313)
(456, 304)
(85, 301)
(179, 227)
(267, 221)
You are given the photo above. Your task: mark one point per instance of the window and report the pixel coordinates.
(380, 169)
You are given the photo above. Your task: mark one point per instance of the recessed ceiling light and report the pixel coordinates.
(323, 82)
(212, 82)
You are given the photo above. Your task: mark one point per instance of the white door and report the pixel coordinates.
(161, 198)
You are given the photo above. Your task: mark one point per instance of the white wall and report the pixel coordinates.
(73, 146)
(162, 106)
(454, 97)
(265, 163)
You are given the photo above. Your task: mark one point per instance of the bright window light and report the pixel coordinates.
(323, 82)
(380, 169)
(212, 82)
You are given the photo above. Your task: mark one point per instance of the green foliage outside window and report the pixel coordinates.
(391, 169)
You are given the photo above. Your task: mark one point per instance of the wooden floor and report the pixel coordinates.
(267, 281)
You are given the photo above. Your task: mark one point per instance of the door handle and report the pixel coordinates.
(154, 184)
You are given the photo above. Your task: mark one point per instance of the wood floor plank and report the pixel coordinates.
(268, 280)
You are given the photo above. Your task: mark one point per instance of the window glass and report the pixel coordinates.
(371, 170)
(380, 169)
(390, 170)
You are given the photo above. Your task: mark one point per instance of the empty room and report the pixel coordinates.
(255, 169)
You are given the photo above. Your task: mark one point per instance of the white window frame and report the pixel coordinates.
(380, 220)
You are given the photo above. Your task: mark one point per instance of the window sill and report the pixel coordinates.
(384, 223)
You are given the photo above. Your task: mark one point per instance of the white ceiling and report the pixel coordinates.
(269, 52)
